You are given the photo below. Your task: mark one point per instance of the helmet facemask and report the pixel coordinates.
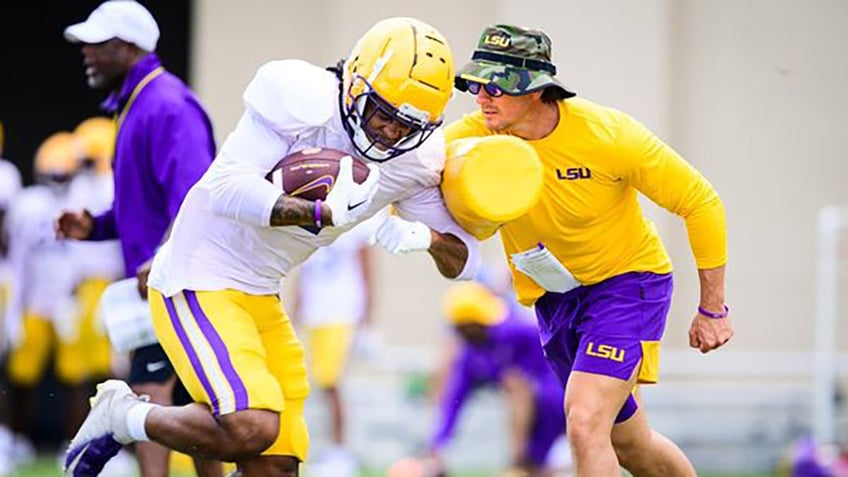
(367, 110)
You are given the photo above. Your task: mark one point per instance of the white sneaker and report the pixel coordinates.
(103, 432)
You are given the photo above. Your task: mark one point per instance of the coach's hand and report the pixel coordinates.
(347, 200)
(707, 333)
(73, 225)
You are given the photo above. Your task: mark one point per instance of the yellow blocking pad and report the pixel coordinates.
(489, 181)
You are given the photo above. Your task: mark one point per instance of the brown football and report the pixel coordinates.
(311, 173)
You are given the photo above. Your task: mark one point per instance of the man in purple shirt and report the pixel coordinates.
(164, 144)
(499, 346)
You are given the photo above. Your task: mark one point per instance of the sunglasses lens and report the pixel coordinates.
(493, 90)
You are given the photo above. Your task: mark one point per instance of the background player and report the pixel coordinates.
(496, 344)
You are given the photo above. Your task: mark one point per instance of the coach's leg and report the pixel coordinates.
(645, 452)
(592, 402)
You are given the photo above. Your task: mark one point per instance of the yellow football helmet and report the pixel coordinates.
(473, 302)
(401, 69)
(57, 158)
(96, 138)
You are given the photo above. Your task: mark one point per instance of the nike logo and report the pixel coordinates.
(156, 366)
(351, 207)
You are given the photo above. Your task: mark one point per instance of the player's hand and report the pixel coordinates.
(402, 236)
(707, 333)
(347, 200)
(73, 225)
(142, 272)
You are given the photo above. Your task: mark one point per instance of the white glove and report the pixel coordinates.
(348, 200)
(402, 236)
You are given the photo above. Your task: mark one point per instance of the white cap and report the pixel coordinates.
(124, 19)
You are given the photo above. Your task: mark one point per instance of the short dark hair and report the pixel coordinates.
(552, 94)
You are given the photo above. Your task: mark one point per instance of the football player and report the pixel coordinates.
(94, 264)
(497, 345)
(214, 283)
(10, 185)
(40, 319)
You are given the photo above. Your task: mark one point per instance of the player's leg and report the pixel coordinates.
(547, 430)
(203, 467)
(152, 375)
(25, 366)
(214, 340)
(329, 346)
(645, 452)
(214, 344)
(286, 360)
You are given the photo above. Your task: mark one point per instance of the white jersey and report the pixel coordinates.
(331, 285)
(94, 192)
(40, 263)
(10, 185)
(221, 237)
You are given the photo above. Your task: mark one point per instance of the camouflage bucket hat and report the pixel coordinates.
(516, 59)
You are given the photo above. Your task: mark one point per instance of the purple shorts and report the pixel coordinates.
(601, 328)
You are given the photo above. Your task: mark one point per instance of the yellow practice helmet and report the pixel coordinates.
(472, 302)
(96, 138)
(404, 68)
(58, 155)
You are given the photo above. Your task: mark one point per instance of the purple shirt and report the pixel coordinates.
(512, 345)
(164, 145)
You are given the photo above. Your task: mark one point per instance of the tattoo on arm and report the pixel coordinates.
(292, 211)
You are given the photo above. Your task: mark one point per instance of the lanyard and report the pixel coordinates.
(119, 119)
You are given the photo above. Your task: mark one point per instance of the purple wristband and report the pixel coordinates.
(317, 213)
(710, 314)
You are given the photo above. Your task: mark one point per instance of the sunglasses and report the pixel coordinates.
(492, 89)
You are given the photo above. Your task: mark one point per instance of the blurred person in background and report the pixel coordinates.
(40, 319)
(10, 185)
(164, 144)
(496, 344)
(214, 286)
(333, 304)
(586, 257)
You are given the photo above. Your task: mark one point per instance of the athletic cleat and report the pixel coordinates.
(103, 432)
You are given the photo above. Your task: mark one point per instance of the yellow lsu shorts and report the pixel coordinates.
(235, 351)
(329, 347)
(86, 354)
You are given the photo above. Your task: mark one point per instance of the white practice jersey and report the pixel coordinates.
(221, 237)
(331, 283)
(94, 192)
(41, 271)
(10, 186)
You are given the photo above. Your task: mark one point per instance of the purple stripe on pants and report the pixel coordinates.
(190, 352)
(220, 350)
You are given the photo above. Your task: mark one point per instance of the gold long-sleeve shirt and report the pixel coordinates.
(589, 216)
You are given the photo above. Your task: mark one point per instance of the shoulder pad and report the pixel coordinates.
(431, 154)
(292, 94)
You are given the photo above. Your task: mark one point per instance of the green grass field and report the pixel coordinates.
(46, 467)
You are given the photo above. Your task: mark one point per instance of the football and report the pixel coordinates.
(311, 173)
